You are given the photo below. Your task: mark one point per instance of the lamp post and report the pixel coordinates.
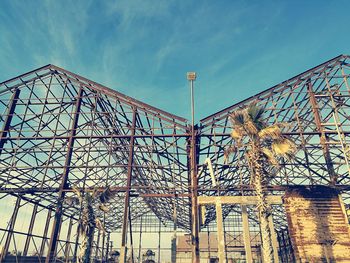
(191, 77)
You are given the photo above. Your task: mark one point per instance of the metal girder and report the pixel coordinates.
(127, 193)
(242, 200)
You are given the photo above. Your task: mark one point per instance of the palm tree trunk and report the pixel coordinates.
(264, 210)
(87, 246)
(88, 235)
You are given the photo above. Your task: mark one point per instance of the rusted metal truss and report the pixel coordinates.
(315, 104)
(60, 130)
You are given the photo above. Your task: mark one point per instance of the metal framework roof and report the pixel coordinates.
(60, 130)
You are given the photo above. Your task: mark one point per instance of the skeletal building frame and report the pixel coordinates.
(60, 130)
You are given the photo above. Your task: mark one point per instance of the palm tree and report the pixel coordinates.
(89, 221)
(264, 144)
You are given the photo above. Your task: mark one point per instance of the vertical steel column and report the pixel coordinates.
(123, 251)
(173, 248)
(111, 246)
(76, 244)
(283, 241)
(282, 247)
(246, 235)
(8, 119)
(97, 244)
(107, 246)
(220, 232)
(64, 182)
(194, 197)
(173, 238)
(10, 229)
(159, 229)
(131, 238)
(209, 247)
(323, 138)
(103, 245)
(30, 230)
(140, 239)
(46, 229)
(66, 252)
(103, 237)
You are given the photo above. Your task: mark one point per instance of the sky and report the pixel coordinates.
(143, 48)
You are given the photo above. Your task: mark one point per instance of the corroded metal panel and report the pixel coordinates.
(317, 223)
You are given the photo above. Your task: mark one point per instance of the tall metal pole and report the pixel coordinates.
(107, 246)
(140, 243)
(191, 77)
(159, 229)
(103, 239)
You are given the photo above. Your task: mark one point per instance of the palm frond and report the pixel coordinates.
(106, 195)
(95, 193)
(237, 118)
(237, 134)
(284, 148)
(255, 113)
(78, 193)
(228, 152)
(251, 128)
(103, 208)
(273, 132)
(270, 156)
(72, 200)
(99, 225)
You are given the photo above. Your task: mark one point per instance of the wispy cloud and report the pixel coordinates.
(144, 48)
(131, 11)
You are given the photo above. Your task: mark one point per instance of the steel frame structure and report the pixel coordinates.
(60, 130)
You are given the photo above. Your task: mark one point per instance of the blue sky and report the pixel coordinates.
(144, 48)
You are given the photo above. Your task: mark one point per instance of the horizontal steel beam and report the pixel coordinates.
(277, 188)
(242, 200)
(155, 136)
(113, 189)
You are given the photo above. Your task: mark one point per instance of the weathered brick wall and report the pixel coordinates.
(317, 225)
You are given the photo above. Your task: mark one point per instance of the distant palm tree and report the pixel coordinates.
(148, 257)
(88, 221)
(263, 144)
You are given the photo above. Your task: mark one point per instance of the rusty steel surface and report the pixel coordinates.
(318, 227)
